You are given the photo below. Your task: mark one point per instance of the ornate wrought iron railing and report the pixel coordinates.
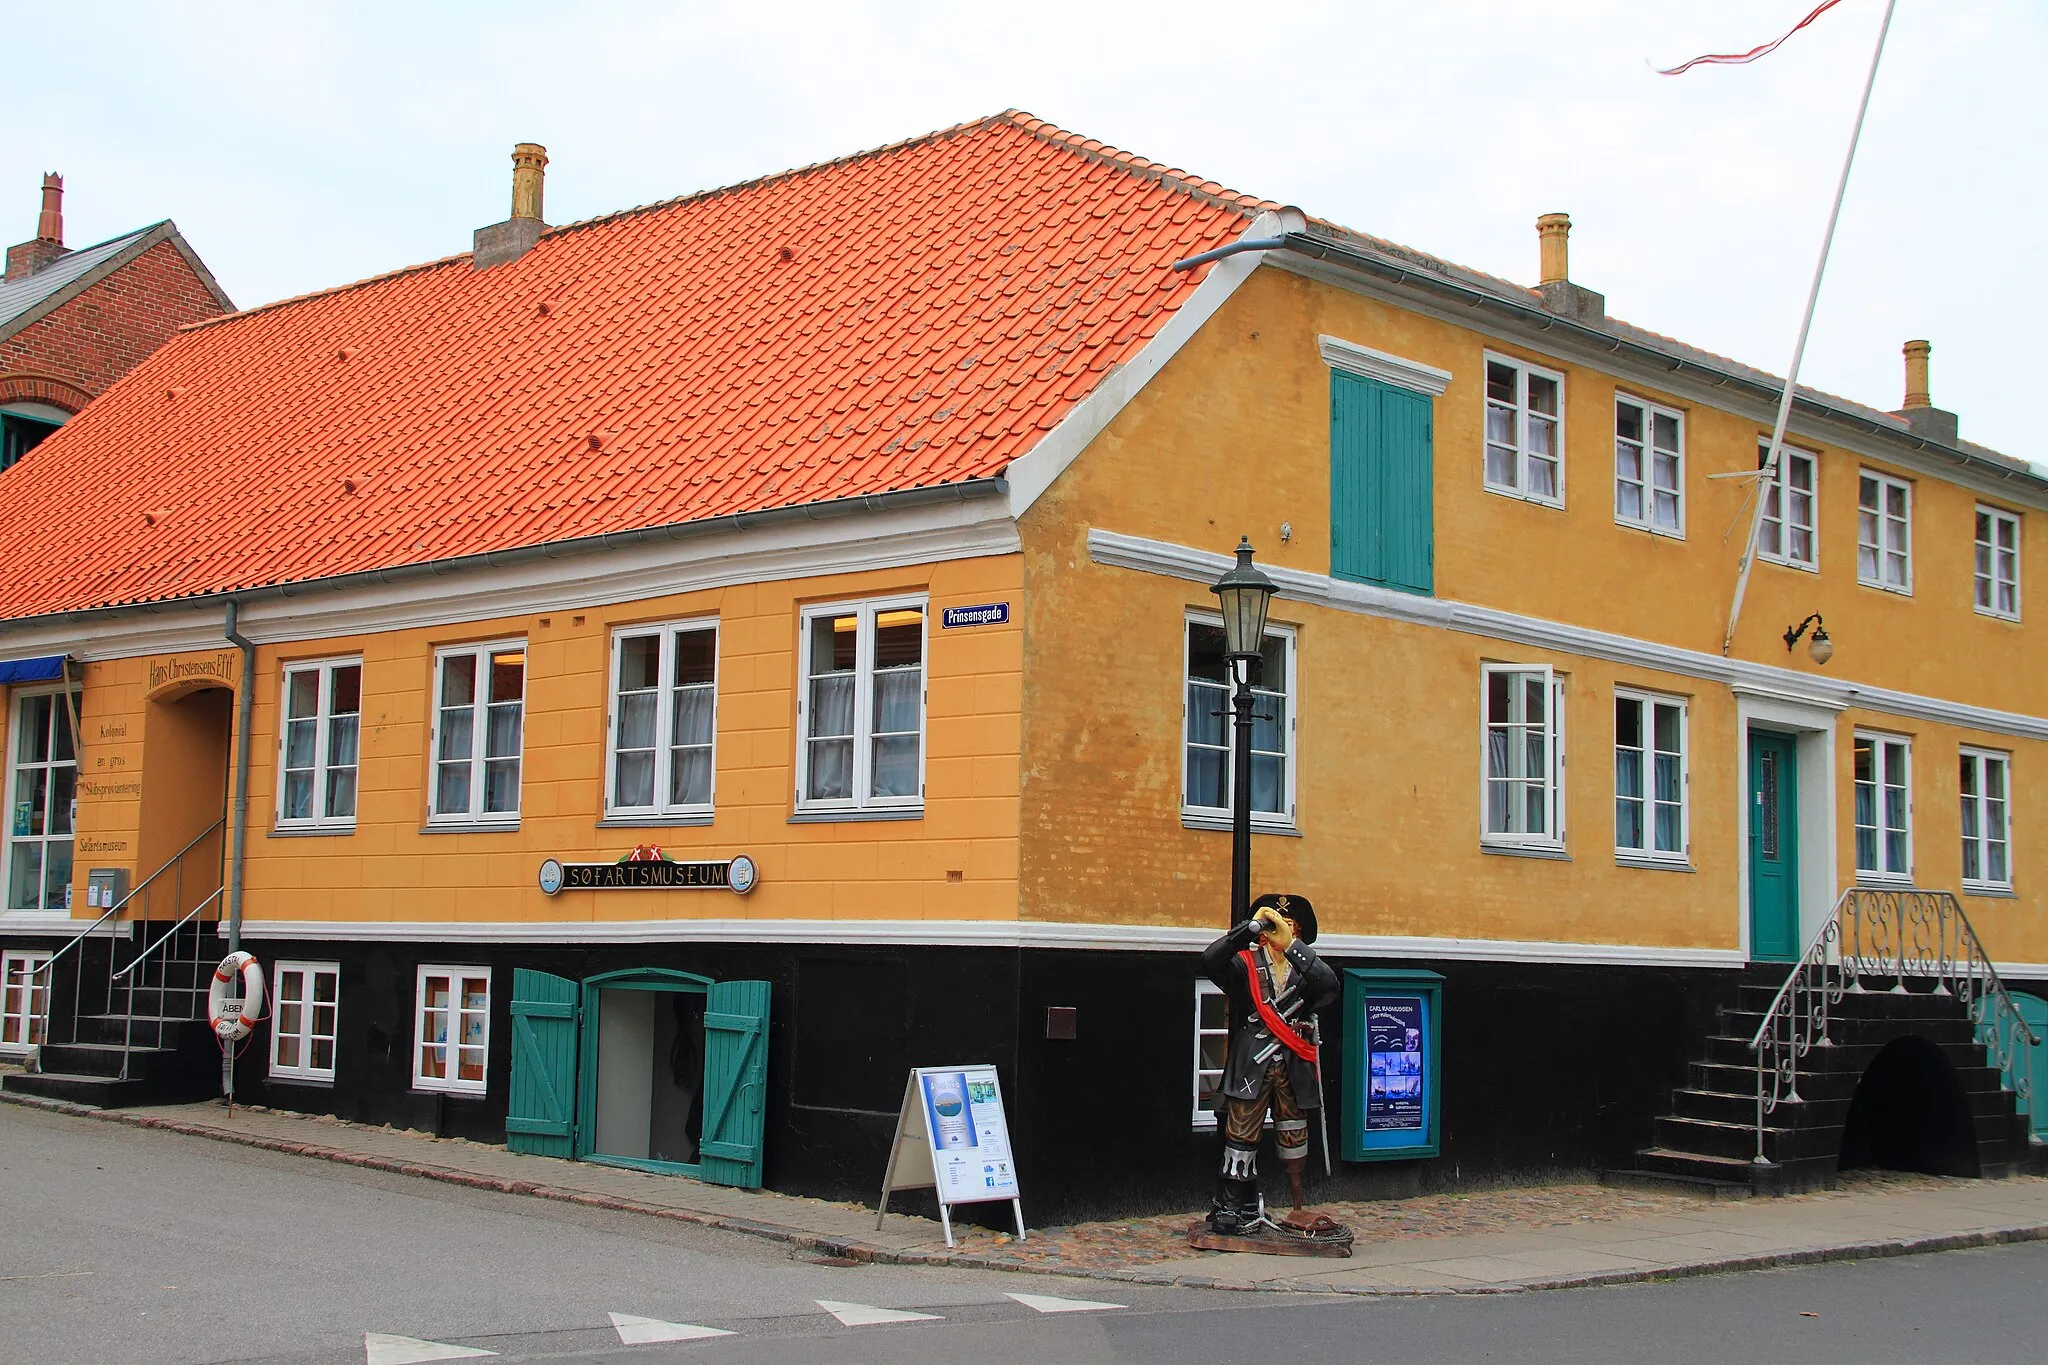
(1884, 935)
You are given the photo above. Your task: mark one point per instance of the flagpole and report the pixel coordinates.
(1770, 468)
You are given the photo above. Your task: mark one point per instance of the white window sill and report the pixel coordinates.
(1989, 615)
(310, 831)
(468, 1092)
(1206, 820)
(1891, 588)
(1518, 495)
(473, 827)
(1883, 881)
(312, 1082)
(1552, 852)
(1647, 863)
(1783, 563)
(653, 821)
(1668, 533)
(1990, 891)
(855, 813)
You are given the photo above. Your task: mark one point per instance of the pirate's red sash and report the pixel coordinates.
(1278, 1027)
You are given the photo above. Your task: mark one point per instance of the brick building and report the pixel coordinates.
(73, 322)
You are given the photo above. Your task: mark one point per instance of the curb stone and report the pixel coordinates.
(868, 1253)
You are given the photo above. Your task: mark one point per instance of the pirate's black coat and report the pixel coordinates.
(1311, 987)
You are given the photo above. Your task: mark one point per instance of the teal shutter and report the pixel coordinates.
(540, 1116)
(2032, 1060)
(1382, 518)
(735, 1082)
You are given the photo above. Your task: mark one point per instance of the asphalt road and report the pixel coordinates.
(126, 1245)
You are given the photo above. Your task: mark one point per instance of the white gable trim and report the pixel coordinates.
(1031, 473)
(1204, 567)
(1367, 363)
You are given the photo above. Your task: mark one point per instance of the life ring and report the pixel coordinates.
(239, 1025)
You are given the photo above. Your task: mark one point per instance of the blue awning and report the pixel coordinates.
(47, 669)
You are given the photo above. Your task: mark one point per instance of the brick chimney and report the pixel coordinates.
(47, 245)
(513, 238)
(1554, 284)
(1927, 421)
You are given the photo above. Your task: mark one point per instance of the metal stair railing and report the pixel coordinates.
(163, 986)
(1883, 933)
(175, 865)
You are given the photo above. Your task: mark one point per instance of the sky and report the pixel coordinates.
(306, 145)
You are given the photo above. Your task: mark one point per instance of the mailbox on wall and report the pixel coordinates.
(1392, 1023)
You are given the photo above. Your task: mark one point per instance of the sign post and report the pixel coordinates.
(952, 1137)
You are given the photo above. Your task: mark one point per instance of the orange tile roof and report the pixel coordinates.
(912, 316)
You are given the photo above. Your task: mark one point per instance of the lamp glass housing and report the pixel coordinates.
(1820, 648)
(1245, 594)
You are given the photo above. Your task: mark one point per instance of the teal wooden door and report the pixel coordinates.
(1382, 518)
(735, 1082)
(540, 1114)
(1773, 848)
(2034, 1010)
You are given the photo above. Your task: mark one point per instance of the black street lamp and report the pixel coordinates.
(1245, 594)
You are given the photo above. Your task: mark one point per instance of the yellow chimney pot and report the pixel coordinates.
(529, 166)
(1553, 233)
(1918, 394)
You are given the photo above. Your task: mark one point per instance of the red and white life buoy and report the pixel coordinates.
(236, 1026)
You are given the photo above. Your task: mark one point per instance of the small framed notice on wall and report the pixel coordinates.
(1392, 1023)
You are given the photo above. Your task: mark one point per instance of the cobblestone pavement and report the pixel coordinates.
(1482, 1241)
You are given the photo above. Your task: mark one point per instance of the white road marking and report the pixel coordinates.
(634, 1330)
(1046, 1303)
(380, 1348)
(867, 1315)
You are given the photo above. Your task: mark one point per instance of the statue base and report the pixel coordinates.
(1320, 1237)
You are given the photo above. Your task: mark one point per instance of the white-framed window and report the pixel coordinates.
(1790, 533)
(42, 791)
(1884, 807)
(1212, 1042)
(861, 710)
(302, 1019)
(1522, 755)
(452, 1029)
(24, 1000)
(1998, 563)
(663, 719)
(1206, 752)
(1650, 777)
(479, 731)
(1987, 819)
(1524, 430)
(1649, 466)
(320, 734)
(1884, 531)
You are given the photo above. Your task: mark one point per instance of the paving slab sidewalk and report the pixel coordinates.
(1484, 1243)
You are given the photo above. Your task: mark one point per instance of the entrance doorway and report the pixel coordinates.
(646, 1067)
(186, 741)
(1773, 847)
(647, 1074)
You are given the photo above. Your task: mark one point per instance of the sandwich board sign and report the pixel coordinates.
(952, 1138)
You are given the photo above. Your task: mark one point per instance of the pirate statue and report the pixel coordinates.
(1275, 984)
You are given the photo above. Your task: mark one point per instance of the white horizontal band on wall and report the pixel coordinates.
(966, 934)
(1202, 566)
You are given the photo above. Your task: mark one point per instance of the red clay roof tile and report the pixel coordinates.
(911, 316)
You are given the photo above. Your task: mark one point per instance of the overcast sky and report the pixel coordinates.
(300, 146)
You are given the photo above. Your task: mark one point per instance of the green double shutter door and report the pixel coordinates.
(735, 1082)
(1382, 524)
(541, 1109)
(540, 1115)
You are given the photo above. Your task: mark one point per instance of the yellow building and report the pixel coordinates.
(838, 549)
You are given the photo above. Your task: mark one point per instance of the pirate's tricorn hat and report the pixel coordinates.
(1295, 908)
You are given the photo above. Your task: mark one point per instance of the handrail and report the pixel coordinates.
(81, 937)
(143, 956)
(169, 863)
(1910, 932)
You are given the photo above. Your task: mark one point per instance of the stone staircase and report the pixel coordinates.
(1709, 1139)
(148, 1046)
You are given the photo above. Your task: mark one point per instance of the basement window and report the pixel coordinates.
(24, 1000)
(452, 1043)
(302, 1027)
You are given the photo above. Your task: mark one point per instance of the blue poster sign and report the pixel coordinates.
(1389, 1067)
(987, 614)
